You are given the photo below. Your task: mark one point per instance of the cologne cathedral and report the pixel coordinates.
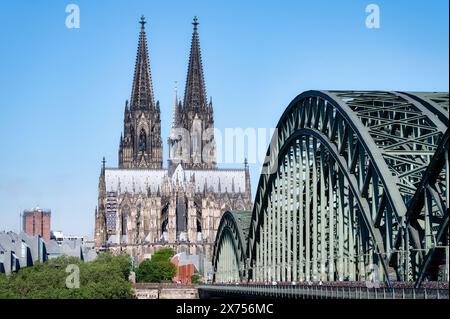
(143, 206)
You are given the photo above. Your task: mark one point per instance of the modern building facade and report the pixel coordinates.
(143, 206)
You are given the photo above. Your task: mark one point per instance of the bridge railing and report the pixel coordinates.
(319, 292)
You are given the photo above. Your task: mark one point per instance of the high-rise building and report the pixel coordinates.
(36, 222)
(143, 206)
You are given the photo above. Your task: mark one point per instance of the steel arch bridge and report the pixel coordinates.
(229, 254)
(354, 188)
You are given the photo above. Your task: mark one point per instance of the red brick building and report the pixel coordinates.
(185, 270)
(37, 222)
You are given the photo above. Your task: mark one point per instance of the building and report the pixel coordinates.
(36, 222)
(186, 266)
(23, 250)
(143, 206)
(59, 237)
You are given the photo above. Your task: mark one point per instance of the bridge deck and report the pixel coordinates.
(319, 292)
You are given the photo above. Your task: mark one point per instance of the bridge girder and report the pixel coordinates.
(229, 253)
(365, 170)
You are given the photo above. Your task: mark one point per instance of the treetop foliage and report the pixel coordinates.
(157, 269)
(104, 278)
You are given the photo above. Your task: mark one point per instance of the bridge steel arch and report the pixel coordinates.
(229, 253)
(354, 187)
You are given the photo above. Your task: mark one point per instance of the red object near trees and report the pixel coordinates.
(184, 272)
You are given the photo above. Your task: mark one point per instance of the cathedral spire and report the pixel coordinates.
(195, 91)
(142, 91)
(141, 146)
(176, 113)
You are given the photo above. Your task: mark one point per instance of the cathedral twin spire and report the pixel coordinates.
(141, 147)
(140, 144)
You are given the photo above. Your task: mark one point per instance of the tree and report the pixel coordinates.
(157, 269)
(195, 278)
(106, 277)
(164, 254)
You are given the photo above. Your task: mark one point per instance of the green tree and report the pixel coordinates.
(164, 254)
(106, 277)
(121, 262)
(157, 269)
(195, 278)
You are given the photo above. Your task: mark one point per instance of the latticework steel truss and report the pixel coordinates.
(354, 189)
(229, 255)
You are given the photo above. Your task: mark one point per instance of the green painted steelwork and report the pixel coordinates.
(354, 189)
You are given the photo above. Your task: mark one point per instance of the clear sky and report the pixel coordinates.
(63, 90)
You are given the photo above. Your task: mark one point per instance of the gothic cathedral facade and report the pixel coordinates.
(143, 206)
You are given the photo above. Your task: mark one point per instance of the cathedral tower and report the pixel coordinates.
(140, 144)
(140, 211)
(192, 140)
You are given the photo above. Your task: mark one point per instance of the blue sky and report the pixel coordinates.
(63, 91)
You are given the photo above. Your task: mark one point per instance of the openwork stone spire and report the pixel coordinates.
(140, 145)
(195, 91)
(142, 92)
